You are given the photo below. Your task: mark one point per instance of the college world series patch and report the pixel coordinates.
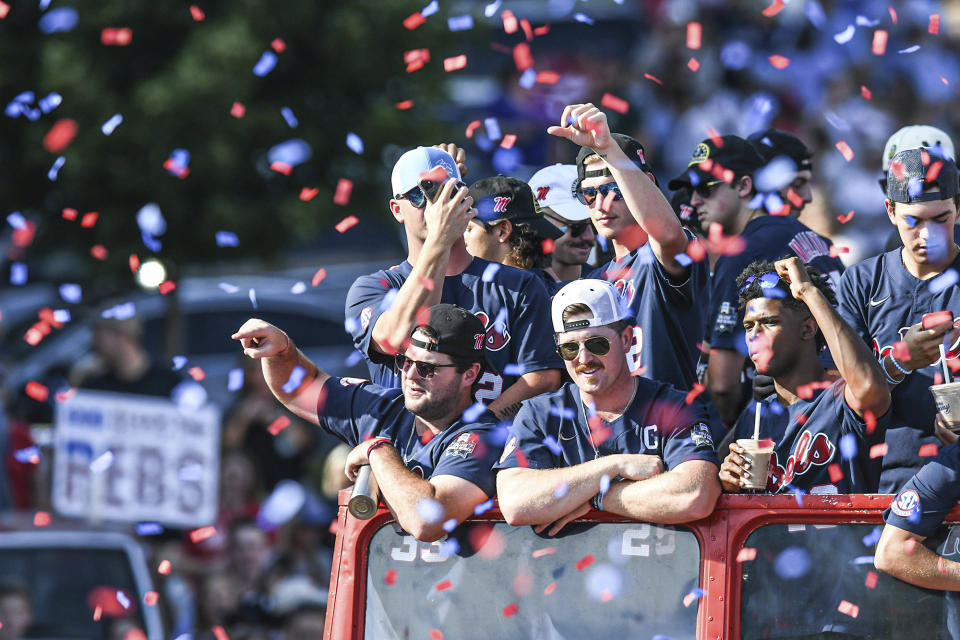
(464, 445)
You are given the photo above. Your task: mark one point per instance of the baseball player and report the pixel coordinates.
(884, 298)
(431, 463)
(664, 287)
(789, 177)
(553, 187)
(619, 443)
(720, 174)
(513, 304)
(788, 311)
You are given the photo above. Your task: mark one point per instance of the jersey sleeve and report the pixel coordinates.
(850, 305)
(525, 446)
(355, 410)
(925, 500)
(682, 293)
(471, 456)
(364, 306)
(686, 433)
(850, 422)
(725, 320)
(534, 348)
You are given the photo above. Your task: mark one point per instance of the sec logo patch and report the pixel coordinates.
(906, 503)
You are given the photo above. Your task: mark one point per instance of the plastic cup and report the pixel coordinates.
(757, 453)
(947, 398)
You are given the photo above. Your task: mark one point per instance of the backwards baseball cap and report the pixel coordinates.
(502, 198)
(773, 143)
(915, 136)
(411, 165)
(460, 334)
(715, 158)
(553, 188)
(913, 172)
(630, 147)
(599, 296)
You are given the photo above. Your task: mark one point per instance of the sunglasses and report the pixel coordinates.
(415, 196)
(588, 195)
(767, 281)
(425, 370)
(597, 345)
(707, 189)
(576, 229)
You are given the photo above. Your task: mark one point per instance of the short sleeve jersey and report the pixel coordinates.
(670, 316)
(927, 497)
(880, 299)
(551, 284)
(513, 305)
(809, 440)
(355, 410)
(767, 238)
(552, 430)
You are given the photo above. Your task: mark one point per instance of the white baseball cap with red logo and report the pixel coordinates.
(552, 187)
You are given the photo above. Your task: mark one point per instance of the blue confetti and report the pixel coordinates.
(483, 507)
(291, 119)
(295, 380)
(602, 242)
(265, 64)
(946, 279)
(291, 152)
(430, 9)
(178, 162)
(71, 292)
(110, 125)
(179, 362)
(150, 242)
(29, 455)
(298, 288)
(58, 20)
(846, 35)
(122, 311)
(527, 79)
(16, 220)
(45, 4)
(561, 490)
(55, 169)
(659, 637)
(514, 369)
(32, 114)
(61, 315)
(227, 239)
(491, 9)
(388, 299)
(872, 538)
(915, 47)
(864, 21)
(228, 288)
(149, 528)
(450, 525)
(474, 411)
(683, 259)
(51, 102)
(354, 358)
(490, 271)
(563, 412)
(553, 445)
(123, 599)
(150, 219)
(460, 23)
(798, 495)
(815, 13)
(235, 379)
(252, 294)
(848, 446)
(190, 473)
(792, 563)
(775, 408)
(604, 483)
(18, 274)
(24, 97)
(582, 17)
(449, 547)
(354, 143)
(493, 128)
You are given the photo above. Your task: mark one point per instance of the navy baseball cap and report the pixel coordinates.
(914, 171)
(460, 334)
(713, 156)
(773, 143)
(630, 147)
(502, 198)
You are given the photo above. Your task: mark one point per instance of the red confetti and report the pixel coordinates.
(836, 474)
(60, 136)
(934, 171)
(150, 598)
(546, 551)
(509, 21)
(614, 103)
(70, 214)
(473, 126)
(937, 378)
(548, 77)
(844, 219)
(849, 608)
(944, 80)
(344, 189)
(197, 13)
(527, 29)
(845, 150)
(116, 36)
(547, 246)
(775, 7)
(238, 110)
(878, 450)
(694, 35)
(928, 450)
(455, 63)
(871, 581)
(97, 613)
(801, 419)
(41, 519)
(585, 562)
(414, 20)
(550, 588)
(4, 10)
(539, 31)
(510, 610)
(747, 554)
(893, 14)
(278, 425)
(605, 595)
(99, 252)
(522, 57)
(37, 391)
(346, 223)
(901, 351)
(167, 286)
(717, 141)
(693, 64)
(278, 45)
(508, 141)
(89, 219)
(416, 58)
(865, 93)
(694, 392)
(436, 634)
(443, 586)
(307, 194)
(134, 262)
(403, 106)
(779, 62)
(934, 27)
(879, 46)
(164, 568)
(653, 78)
(391, 578)
(319, 276)
(281, 167)
(220, 633)
(197, 373)
(696, 251)
(201, 534)
(835, 251)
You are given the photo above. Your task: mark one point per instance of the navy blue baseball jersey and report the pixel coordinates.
(552, 430)
(767, 238)
(513, 305)
(549, 282)
(670, 316)
(880, 299)
(808, 437)
(355, 410)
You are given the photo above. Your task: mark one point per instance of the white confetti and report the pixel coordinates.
(846, 35)
(102, 463)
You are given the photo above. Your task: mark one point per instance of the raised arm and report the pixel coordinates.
(686, 493)
(866, 387)
(279, 358)
(901, 554)
(585, 125)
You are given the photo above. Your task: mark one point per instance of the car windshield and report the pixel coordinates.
(815, 581)
(609, 580)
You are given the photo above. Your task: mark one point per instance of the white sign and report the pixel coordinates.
(136, 458)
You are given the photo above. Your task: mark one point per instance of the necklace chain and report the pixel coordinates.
(586, 419)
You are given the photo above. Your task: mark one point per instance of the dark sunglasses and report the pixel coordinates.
(576, 229)
(767, 281)
(415, 196)
(597, 345)
(707, 189)
(425, 370)
(588, 195)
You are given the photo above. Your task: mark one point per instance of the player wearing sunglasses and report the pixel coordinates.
(616, 442)
(431, 463)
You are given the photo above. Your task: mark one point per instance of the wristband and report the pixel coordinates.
(897, 365)
(377, 442)
(597, 501)
(886, 374)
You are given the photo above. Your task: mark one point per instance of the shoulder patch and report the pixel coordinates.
(508, 449)
(365, 316)
(352, 382)
(906, 503)
(726, 318)
(700, 434)
(464, 445)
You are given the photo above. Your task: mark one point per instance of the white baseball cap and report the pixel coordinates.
(411, 165)
(915, 136)
(599, 296)
(553, 188)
